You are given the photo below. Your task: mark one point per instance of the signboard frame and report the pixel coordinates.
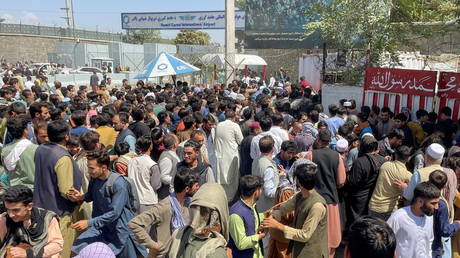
(166, 15)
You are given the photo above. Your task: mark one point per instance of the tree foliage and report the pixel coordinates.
(192, 37)
(240, 4)
(369, 28)
(142, 36)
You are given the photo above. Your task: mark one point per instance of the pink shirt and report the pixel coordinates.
(55, 240)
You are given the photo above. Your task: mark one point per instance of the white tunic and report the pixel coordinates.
(228, 138)
(414, 235)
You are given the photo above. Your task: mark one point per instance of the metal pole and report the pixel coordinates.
(323, 71)
(229, 40)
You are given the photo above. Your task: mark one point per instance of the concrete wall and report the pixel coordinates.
(331, 94)
(24, 48)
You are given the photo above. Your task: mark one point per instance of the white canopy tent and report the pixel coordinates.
(241, 60)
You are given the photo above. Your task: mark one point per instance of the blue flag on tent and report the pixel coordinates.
(164, 65)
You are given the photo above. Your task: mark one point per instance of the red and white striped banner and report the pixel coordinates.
(397, 88)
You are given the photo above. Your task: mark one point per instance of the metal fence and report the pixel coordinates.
(59, 32)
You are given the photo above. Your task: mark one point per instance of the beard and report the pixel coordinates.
(426, 210)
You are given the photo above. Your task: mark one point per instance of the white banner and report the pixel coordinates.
(180, 20)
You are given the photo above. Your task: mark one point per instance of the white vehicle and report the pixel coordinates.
(86, 70)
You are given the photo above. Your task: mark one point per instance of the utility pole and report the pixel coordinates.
(229, 40)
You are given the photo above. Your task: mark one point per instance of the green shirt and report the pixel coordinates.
(238, 233)
(24, 173)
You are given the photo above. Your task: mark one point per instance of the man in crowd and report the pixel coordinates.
(168, 164)
(245, 233)
(78, 122)
(120, 123)
(18, 157)
(433, 159)
(390, 143)
(58, 174)
(145, 174)
(361, 179)
(228, 138)
(26, 230)
(107, 133)
(266, 124)
(169, 214)
(308, 235)
(385, 125)
(112, 210)
(331, 176)
(245, 149)
(385, 197)
(208, 232)
(192, 161)
(370, 237)
(266, 168)
(413, 225)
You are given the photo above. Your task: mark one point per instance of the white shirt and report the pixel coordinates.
(280, 132)
(29, 84)
(414, 235)
(168, 171)
(255, 151)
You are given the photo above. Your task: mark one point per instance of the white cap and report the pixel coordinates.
(435, 151)
(367, 134)
(347, 104)
(341, 146)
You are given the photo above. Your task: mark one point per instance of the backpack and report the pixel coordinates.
(132, 192)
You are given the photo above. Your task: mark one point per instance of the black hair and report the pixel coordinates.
(184, 178)
(191, 143)
(156, 133)
(55, 114)
(101, 157)
(403, 152)
(78, 117)
(266, 144)
(73, 140)
(371, 237)
(137, 114)
(143, 143)
(286, 145)
(18, 108)
(324, 136)
(398, 133)
(266, 123)
(121, 148)
(432, 116)
(333, 109)
(162, 116)
(277, 119)
(305, 174)
(18, 193)
(446, 111)
(103, 119)
(124, 117)
(188, 121)
(57, 130)
(363, 116)
(438, 178)
(426, 191)
(16, 126)
(420, 113)
(249, 184)
(401, 116)
(89, 140)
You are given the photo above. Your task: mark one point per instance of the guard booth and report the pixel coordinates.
(100, 62)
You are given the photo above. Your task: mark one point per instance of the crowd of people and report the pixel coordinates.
(238, 170)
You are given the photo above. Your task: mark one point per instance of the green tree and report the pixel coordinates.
(192, 37)
(142, 36)
(240, 4)
(369, 28)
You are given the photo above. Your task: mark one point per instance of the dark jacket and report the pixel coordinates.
(361, 180)
(139, 129)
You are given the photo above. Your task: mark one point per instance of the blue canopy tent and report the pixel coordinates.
(165, 65)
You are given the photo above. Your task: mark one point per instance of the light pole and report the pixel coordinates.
(229, 40)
